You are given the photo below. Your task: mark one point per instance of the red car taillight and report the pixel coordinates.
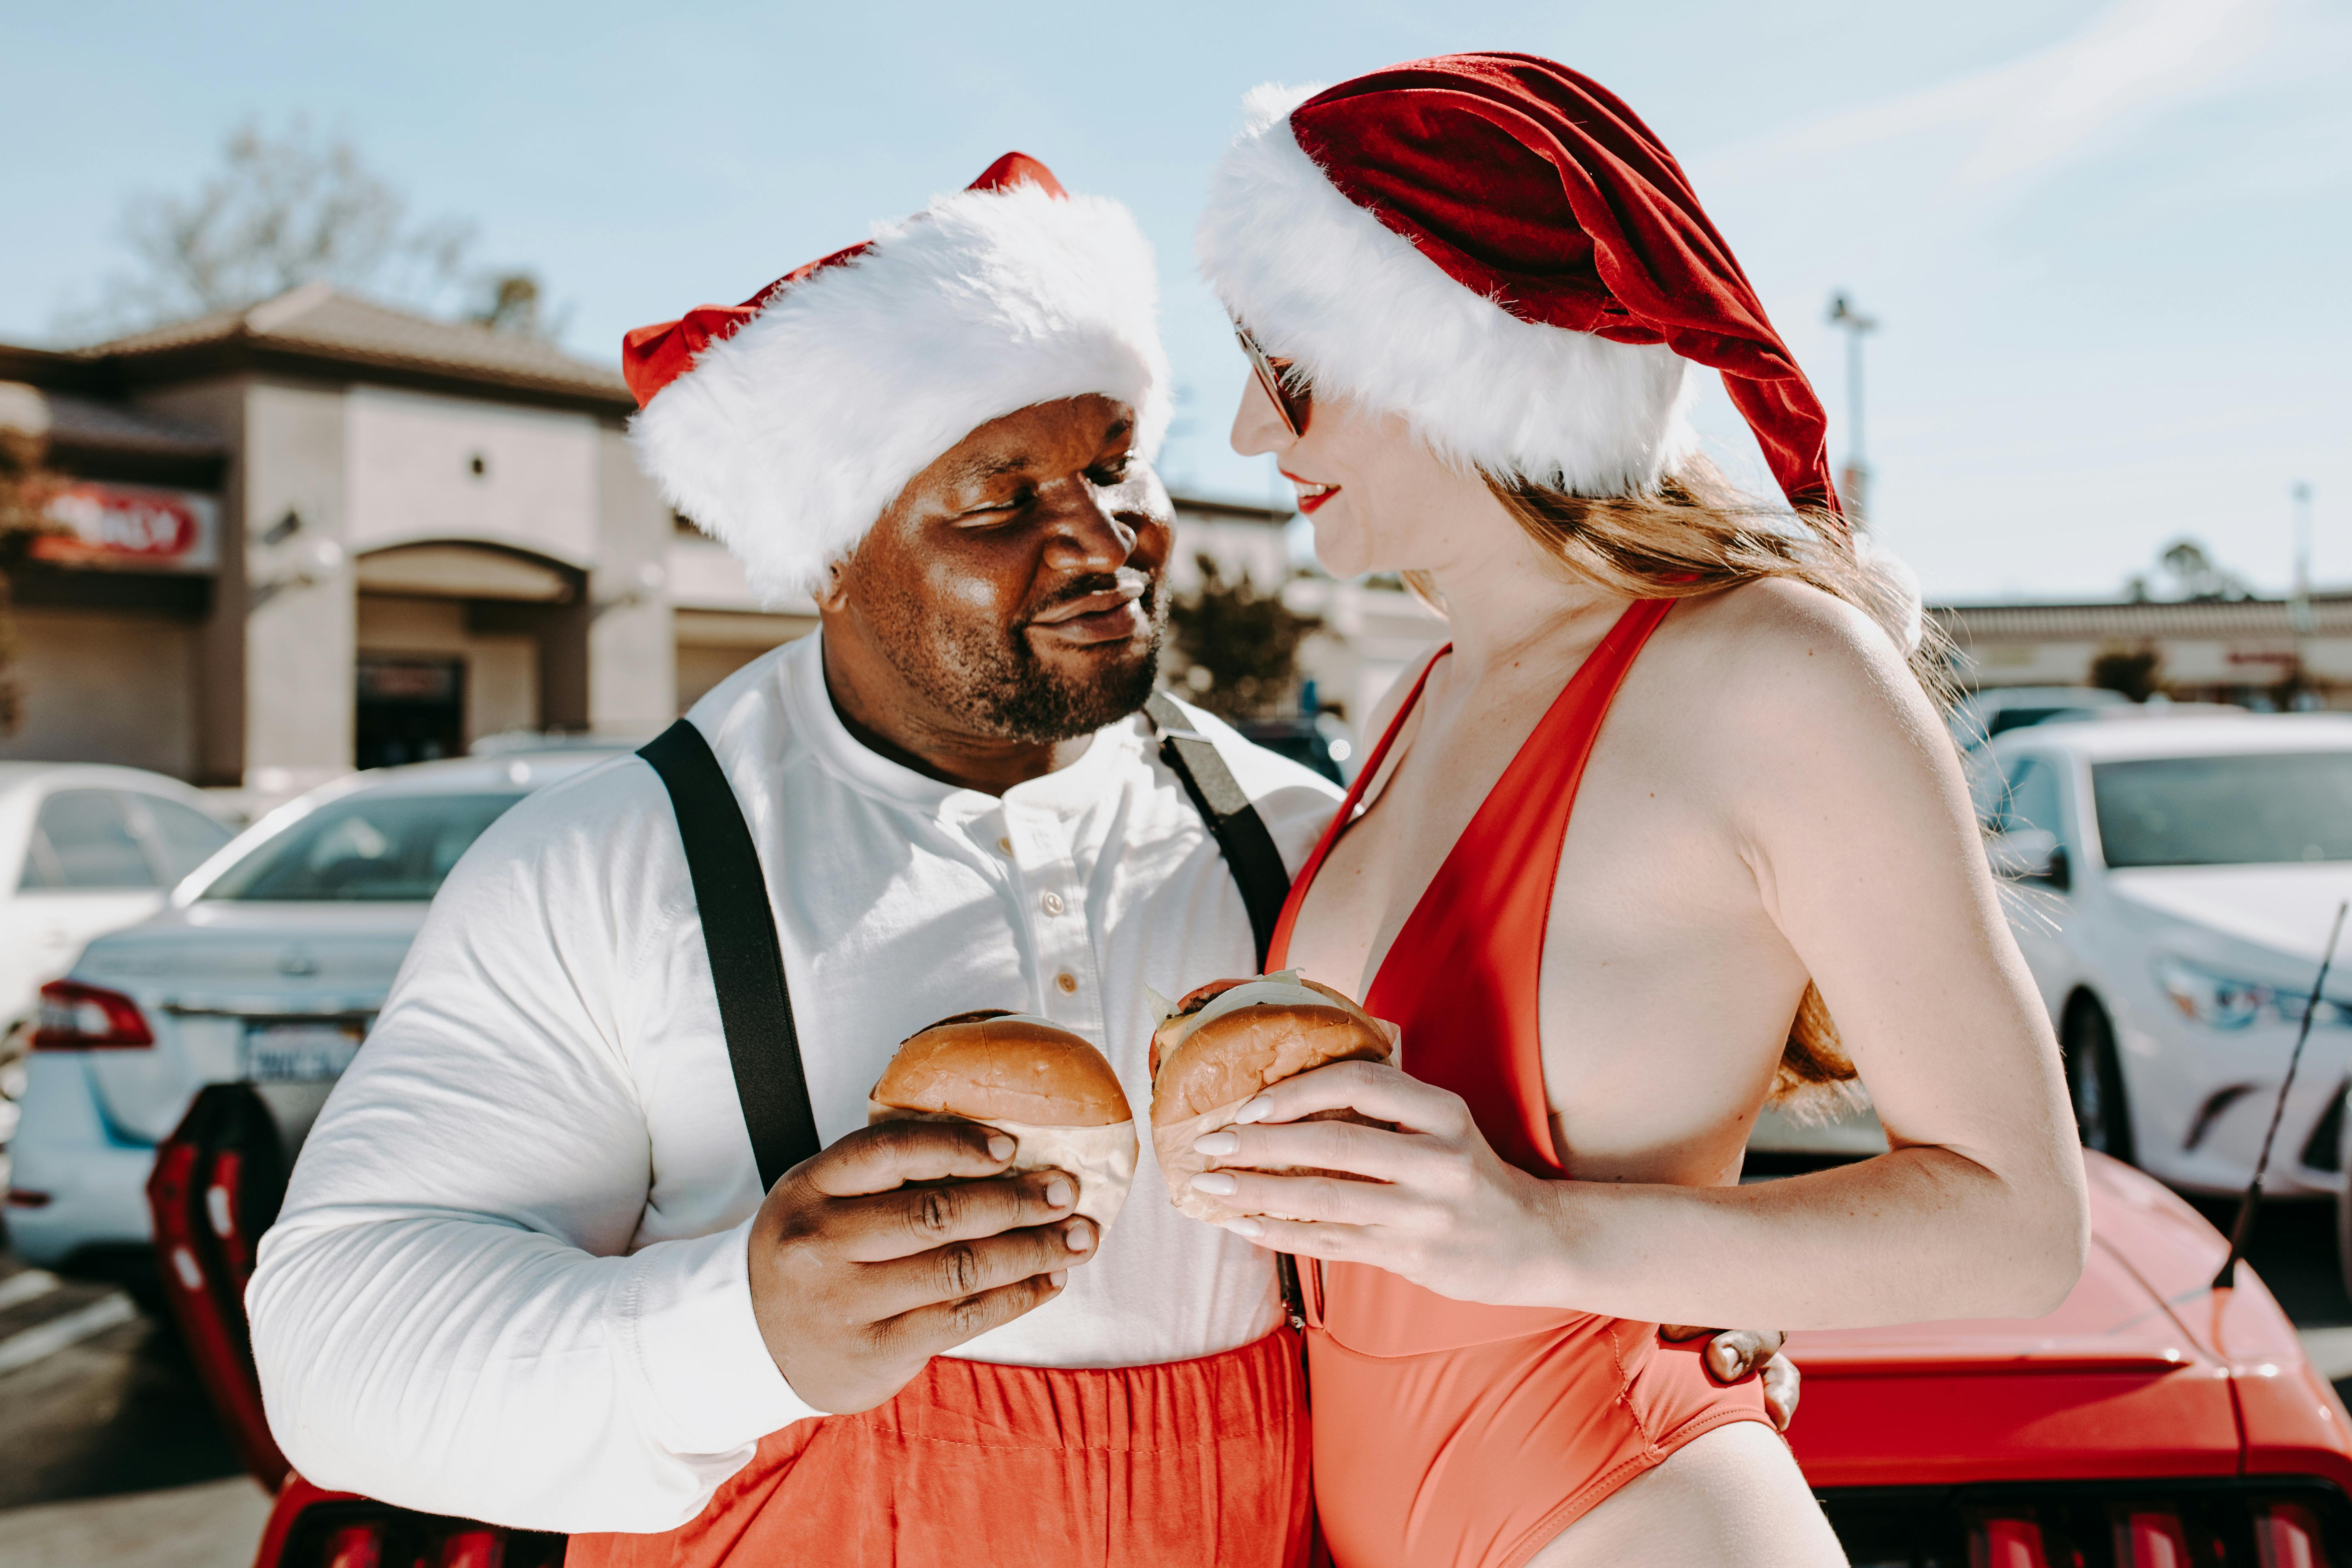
(2150, 1539)
(2186, 1521)
(2007, 1543)
(355, 1546)
(473, 1548)
(78, 1017)
(2286, 1535)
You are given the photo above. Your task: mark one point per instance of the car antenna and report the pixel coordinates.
(2244, 1225)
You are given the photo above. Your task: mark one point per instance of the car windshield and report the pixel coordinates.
(379, 847)
(2254, 808)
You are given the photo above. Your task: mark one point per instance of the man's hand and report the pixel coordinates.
(858, 1279)
(1734, 1353)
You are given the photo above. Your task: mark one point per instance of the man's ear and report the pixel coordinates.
(836, 596)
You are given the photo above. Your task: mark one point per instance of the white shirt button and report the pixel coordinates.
(1005, 844)
(1067, 982)
(1052, 903)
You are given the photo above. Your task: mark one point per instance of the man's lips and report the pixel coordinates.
(1112, 616)
(1310, 494)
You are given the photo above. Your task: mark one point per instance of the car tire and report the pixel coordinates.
(2095, 1080)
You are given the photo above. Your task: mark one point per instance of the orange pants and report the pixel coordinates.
(977, 1464)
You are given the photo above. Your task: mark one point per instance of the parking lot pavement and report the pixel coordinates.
(109, 1451)
(213, 1524)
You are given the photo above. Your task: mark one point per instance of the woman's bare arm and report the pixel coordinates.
(1840, 785)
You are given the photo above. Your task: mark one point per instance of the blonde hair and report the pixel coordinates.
(1694, 534)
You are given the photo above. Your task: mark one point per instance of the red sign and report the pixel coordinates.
(117, 525)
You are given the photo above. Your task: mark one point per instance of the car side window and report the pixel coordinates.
(83, 842)
(181, 836)
(2031, 799)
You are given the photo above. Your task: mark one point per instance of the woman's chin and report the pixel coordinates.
(1340, 550)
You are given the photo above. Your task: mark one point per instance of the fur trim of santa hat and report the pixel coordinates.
(787, 440)
(1321, 281)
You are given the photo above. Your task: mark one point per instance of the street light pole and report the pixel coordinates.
(1854, 484)
(2299, 603)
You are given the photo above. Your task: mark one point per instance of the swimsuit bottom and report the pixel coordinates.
(1451, 1435)
(982, 1465)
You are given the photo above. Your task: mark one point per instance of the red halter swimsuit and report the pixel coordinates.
(1448, 1433)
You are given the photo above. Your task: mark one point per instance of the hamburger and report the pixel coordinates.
(1215, 1049)
(1046, 1089)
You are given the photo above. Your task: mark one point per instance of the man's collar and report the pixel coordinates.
(1064, 792)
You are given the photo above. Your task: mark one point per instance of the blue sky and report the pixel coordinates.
(2107, 240)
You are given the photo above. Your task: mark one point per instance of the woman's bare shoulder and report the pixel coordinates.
(1781, 672)
(1774, 642)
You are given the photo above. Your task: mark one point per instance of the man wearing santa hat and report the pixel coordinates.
(558, 1254)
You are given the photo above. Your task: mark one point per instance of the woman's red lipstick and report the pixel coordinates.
(1311, 494)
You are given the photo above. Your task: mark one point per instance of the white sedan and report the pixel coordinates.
(269, 964)
(2176, 879)
(84, 848)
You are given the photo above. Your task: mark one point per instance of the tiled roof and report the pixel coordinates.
(315, 320)
(2122, 621)
(82, 422)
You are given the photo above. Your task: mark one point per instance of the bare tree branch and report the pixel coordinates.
(289, 209)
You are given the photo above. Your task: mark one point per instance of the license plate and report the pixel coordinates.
(297, 1053)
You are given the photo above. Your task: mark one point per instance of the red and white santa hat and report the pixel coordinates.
(1495, 248)
(786, 426)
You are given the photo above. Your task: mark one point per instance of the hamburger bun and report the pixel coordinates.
(1049, 1090)
(1229, 1039)
(987, 1064)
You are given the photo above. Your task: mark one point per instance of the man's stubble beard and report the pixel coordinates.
(991, 678)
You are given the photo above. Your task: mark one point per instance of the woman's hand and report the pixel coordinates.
(1438, 1207)
(1734, 1353)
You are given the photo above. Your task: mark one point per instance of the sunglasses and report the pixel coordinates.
(1291, 397)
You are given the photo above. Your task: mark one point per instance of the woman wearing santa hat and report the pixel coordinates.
(1475, 289)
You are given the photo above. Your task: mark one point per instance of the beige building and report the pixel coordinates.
(321, 534)
(395, 536)
(2247, 651)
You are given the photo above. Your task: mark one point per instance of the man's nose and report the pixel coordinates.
(1257, 423)
(1088, 537)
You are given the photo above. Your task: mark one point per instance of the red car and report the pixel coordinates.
(2149, 1422)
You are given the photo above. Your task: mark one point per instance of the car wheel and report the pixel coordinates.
(2094, 1080)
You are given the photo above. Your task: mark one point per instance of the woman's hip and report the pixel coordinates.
(1476, 1455)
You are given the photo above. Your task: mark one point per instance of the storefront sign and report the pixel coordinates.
(131, 528)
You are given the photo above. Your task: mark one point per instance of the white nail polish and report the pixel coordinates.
(1060, 1277)
(1213, 1181)
(1252, 1111)
(1217, 1144)
(1245, 1225)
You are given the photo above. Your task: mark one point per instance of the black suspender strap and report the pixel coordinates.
(1240, 831)
(747, 962)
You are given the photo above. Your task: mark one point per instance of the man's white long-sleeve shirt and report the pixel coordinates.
(509, 1279)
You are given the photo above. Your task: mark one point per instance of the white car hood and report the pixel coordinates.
(2286, 908)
